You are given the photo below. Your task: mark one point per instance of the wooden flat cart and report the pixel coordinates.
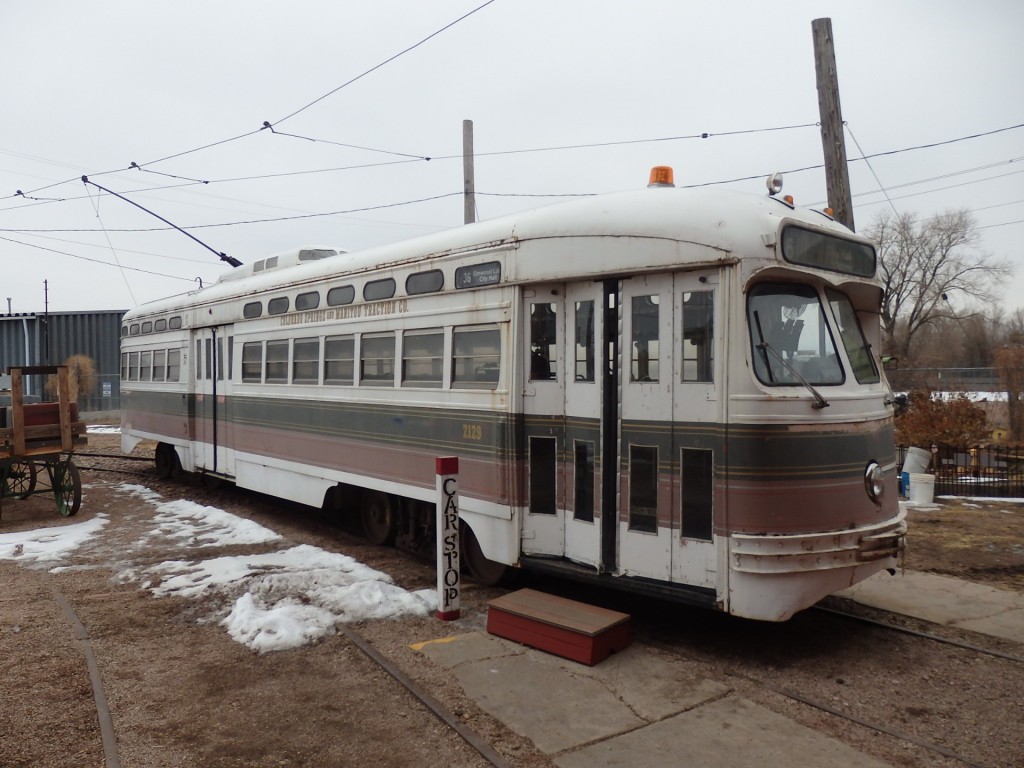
(38, 439)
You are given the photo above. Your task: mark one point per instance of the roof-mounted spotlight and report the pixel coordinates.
(774, 184)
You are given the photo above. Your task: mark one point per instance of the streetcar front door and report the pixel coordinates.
(669, 427)
(212, 371)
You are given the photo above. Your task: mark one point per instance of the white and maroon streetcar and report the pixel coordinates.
(667, 390)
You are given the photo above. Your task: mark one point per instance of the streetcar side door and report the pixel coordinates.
(646, 360)
(212, 371)
(696, 414)
(543, 433)
(585, 363)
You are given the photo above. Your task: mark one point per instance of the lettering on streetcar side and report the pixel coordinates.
(350, 312)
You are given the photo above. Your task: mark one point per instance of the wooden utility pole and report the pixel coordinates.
(833, 141)
(468, 180)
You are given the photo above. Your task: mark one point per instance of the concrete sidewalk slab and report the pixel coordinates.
(945, 600)
(551, 706)
(725, 733)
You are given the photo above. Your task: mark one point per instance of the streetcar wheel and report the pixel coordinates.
(167, 463)
(378, 517)
(484, 571)
(21, 479)
(67, 487)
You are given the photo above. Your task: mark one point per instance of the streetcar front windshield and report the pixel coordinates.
(791, 341)
(857, 349)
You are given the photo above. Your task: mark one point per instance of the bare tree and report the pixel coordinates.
(925, 266)
(1010, 365)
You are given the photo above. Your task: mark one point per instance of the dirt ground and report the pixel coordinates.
(979, 540)
(182, 693)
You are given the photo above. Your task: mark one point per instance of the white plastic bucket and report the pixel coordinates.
(916, 461)
(922, 488)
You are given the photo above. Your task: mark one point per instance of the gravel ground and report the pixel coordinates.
(182, 693)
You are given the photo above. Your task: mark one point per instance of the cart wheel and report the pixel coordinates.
(20, 479)
(67, 487)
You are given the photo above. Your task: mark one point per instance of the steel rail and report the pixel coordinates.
(436, 707)
(108, 737)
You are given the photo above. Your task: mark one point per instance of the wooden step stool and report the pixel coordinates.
(566, 628)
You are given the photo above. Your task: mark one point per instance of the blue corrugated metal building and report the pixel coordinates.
(50, 339)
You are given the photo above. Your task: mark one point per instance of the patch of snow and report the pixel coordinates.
(49, 545)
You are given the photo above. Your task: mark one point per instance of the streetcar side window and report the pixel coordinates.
(697, 492)
(644, 346)
(430, 281)
(584, 341)
(341, 295)
(160, 325)
(543, 341)
(698, 334)
(790, 337)
(307, 301)
(379, 289)
(252, 361)
(643, 488)
(377, 360)
(277, 305)
(583, 466)
(542, 476)
(174, 323)
(174, 365)
(306, 361)
(133, 366)
(146, 366)
(124, 366)
(476, 357)
(422, 355)
(252, 310)
(160, 365)
(147, 327)
(276, 365)
(339, 359)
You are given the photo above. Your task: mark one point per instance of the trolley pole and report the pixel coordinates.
(448, 576)
(468, 173)
(833, 141)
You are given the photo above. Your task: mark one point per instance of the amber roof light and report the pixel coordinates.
(661, 176)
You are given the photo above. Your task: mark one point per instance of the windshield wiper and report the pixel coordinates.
(764, 346)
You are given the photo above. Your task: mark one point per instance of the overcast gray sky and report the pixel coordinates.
(92, 87)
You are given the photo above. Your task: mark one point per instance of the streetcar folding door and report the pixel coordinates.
(212, 381)
(669, 435)
(563, 349)
(543, 333)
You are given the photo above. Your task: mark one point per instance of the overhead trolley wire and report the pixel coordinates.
(286, 117)
(95, 261)
(386, 61)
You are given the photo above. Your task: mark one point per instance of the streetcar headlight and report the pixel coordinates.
(874, 481)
